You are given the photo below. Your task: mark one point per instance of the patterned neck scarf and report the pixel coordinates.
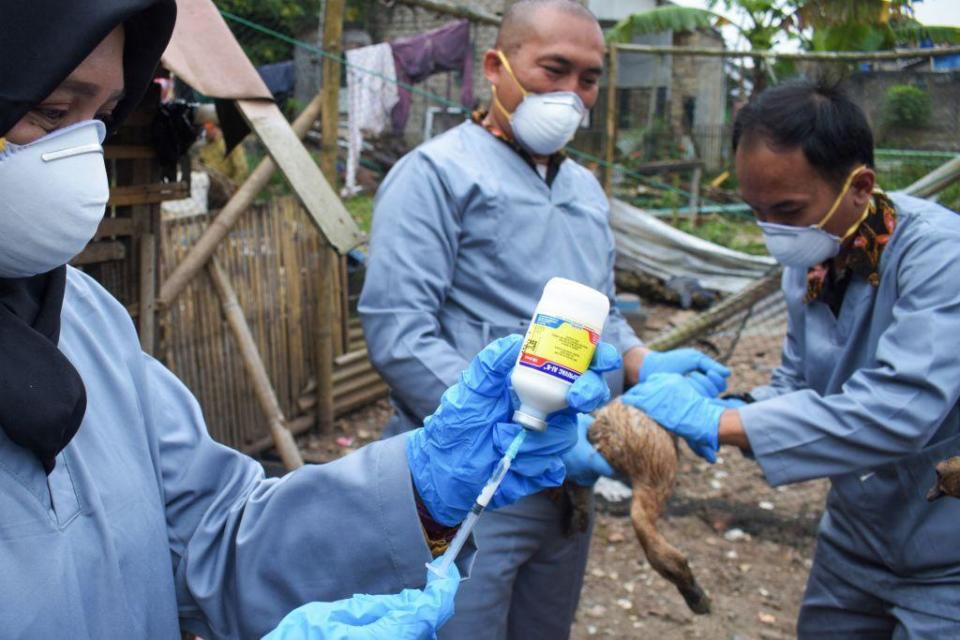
(860, 255)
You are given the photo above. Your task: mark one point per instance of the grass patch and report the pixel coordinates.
(739, 234)
(361, 208)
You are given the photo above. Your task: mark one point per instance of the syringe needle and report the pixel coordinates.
(486, 494)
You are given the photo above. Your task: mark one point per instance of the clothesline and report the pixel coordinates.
(441, 100)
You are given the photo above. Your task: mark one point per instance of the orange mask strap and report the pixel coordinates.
(496, 98)
(843, 192)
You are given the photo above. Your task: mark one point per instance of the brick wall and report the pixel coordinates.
(942, 133)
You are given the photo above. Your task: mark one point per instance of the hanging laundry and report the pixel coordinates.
(418, 57)
(372, 95)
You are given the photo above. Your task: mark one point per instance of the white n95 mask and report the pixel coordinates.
(804, 247)
(53, 194)
(543, 123)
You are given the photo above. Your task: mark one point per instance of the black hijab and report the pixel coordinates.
(42, 397)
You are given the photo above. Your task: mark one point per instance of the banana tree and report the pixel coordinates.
(762, 22)
(818, 25)
(868, 25)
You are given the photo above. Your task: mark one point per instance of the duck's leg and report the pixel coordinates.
(666, 560)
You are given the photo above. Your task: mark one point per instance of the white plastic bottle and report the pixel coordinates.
(557, 349)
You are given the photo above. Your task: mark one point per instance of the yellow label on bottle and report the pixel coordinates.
(559, 348)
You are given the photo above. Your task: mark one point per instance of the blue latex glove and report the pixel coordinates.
(453, 455)
(673, 402)
(682, 361)
(709, 385)
(412, 614)
(585, 464)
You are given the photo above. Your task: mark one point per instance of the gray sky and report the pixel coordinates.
(933, 12)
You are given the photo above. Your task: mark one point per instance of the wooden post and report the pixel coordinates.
(325, 355)
(148, 292)
(203, 249)
(456, 10)
(611, 142)
(695, 179)
(332, 44)
(253, 363)
(344, 305)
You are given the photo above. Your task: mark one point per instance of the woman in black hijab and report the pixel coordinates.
(42, 399)
(119, 516)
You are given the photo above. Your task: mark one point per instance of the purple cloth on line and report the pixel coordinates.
(418, 57)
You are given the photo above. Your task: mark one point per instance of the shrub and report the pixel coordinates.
(907, 106)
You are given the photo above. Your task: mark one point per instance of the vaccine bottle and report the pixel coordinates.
(558, 348)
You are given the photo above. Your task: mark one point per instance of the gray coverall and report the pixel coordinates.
(466, 233)
(870, 400)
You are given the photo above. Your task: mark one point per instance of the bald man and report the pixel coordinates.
(467, 230)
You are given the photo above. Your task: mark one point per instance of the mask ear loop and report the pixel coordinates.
(856, 225)
(836, 203)
(496, 98)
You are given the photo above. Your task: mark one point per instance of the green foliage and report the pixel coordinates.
(867, 25)
(739, 234)
(290, 17)
(911, 32)
(361, 208)
(907, 106)
(667, 18)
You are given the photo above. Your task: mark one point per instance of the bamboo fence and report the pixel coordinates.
(274, 258)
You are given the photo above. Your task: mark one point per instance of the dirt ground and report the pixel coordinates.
(749, 545)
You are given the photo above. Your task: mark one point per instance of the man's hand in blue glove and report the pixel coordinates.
(674, 403)
(453, 455)
(684, 361)
(706, 385)
(412, 614)
(585, 464)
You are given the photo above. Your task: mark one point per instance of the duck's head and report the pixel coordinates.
(948, 480)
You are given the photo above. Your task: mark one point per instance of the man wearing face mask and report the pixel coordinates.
(867, 391)
(119, 515)
(467, 230)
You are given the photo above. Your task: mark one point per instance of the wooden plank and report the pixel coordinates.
(148, 291)
(294, 298)
(332, 44)
(851, 56)
(324, 347)
(344, 307)
(296, 426)
(695, 180)
(336, 312)
(361, 398)
(148, 193)
(282, 438)
(321, 202)
(447, 8)
(106, 251)
(610, 144)
(129, 152)
(351, 357)
(218, 229)
(365, 381)
(111, 227)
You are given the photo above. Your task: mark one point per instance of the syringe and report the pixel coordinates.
(486, 494)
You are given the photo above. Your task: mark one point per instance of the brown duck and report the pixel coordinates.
(640, 449)
(948, 480)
